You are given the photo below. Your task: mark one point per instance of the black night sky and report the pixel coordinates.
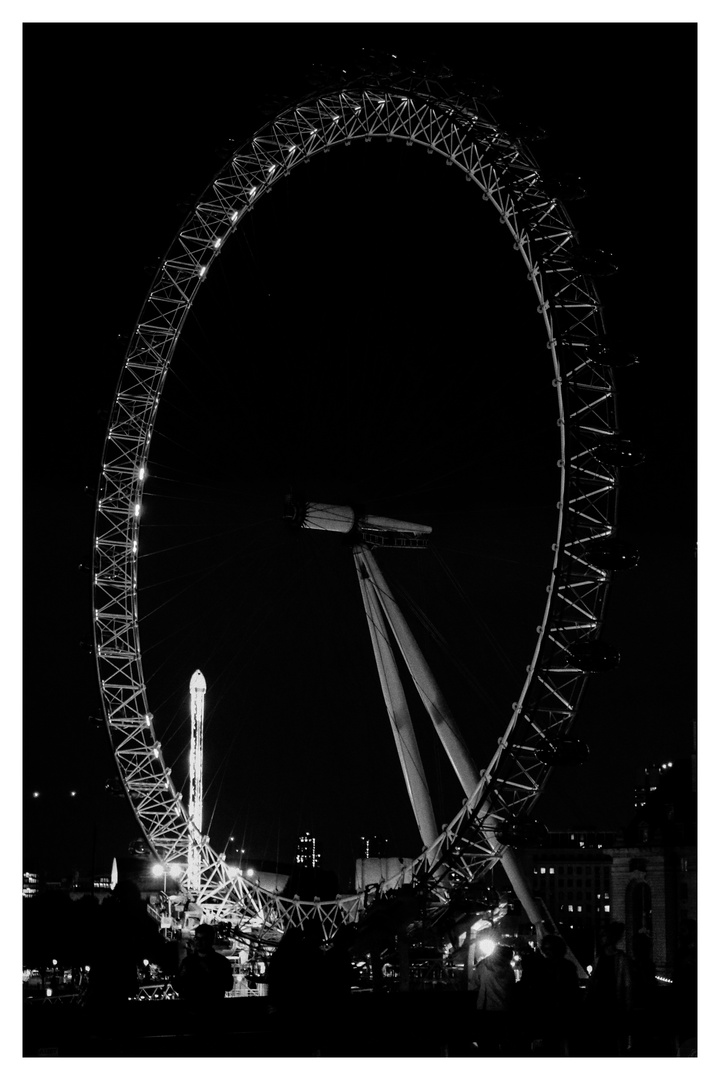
(369, 337)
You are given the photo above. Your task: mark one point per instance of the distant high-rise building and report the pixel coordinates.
(30, 884)
(654, 779)
(307, 854)
(373, 847)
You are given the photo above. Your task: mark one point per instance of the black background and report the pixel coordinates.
(370, 337)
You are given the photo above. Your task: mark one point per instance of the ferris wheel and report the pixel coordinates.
(435, 111)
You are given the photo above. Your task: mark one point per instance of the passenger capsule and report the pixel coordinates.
(567, 188)
(521, 833)
(610, 354)
(564, 751)
(618, 452)
(611, 554)
(593, 657)
(591, 261)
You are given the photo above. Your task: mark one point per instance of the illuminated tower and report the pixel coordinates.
(306, 854)
(198, 687)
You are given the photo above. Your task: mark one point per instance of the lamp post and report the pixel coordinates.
(158, 869)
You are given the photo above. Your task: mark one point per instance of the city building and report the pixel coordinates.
(373, 847)
(654, 878)
(306, 853)
(571, 872)
(644, 876)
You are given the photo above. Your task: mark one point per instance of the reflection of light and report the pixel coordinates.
(589, 969)
(481, 924)
(486, 946)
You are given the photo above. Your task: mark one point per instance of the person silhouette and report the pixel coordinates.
(609, 995)
(550, 996)
(494, 980)
(205, 975)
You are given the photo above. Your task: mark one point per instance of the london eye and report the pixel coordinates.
(360, 442)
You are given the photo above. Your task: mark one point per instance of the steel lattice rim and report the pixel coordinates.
(458, 125)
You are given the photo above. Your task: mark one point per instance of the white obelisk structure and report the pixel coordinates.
(198, 686)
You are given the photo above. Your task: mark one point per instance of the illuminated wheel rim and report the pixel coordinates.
(433, 112)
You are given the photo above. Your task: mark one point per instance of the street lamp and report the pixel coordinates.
(158, 869)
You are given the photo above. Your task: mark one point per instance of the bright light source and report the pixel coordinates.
(251, 872)
(486, 946)
(158, 870)
(36, 794)
(234, 216)
(141, 473)
(201, 271)
(137, 509)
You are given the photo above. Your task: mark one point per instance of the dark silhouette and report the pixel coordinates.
(647, 1031)
(684, 990)
(205, 975)
(494, 980)
(296, 975)
(609, 996)
(338, 976)
(124, 936)
(549, 996)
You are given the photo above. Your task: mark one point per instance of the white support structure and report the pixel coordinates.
(378, 598)
(399, 713)
(425, 682)
(198, 688)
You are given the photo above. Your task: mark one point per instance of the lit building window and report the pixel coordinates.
(551, 870)
(542, 869)
(606, 907)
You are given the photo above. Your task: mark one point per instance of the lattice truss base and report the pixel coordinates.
(435, 114)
